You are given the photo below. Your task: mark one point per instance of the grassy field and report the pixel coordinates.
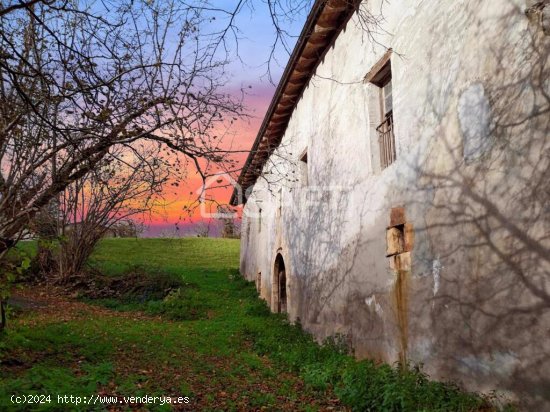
(210, 340)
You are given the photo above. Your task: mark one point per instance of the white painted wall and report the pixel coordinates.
(472, 156)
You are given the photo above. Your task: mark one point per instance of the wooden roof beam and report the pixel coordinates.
(312, 50)
(305, 61)
(323, 29)
(294, 89)
(283, 108)
(328, 20)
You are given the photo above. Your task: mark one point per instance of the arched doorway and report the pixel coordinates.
(279, 285)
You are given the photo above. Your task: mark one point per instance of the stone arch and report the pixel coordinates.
(279, 287)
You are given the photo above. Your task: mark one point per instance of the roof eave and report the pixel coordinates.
(325, 21)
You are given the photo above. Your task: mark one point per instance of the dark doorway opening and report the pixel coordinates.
(280, 285)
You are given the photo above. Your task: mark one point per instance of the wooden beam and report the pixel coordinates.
(294, 89)
(306, 63)
(312, 50)
(377, 66)
(322, 29)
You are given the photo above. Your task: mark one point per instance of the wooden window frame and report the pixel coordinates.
(380, 75)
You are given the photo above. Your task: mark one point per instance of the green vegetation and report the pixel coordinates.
(209, 338)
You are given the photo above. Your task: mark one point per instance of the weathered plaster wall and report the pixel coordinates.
(471, 125)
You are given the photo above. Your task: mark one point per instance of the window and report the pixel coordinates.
(303, 169)
(399, 240)
(381, 77)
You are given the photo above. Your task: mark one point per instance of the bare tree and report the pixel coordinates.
(122, 186)
(80, 77)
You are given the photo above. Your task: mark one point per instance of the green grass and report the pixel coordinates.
(190, 257)
(211, 339)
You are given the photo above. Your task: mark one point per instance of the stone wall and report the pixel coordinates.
(470, 296)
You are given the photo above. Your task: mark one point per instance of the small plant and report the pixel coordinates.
(17, 264)
(182, 304)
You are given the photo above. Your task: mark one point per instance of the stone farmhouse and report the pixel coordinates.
(397, 193)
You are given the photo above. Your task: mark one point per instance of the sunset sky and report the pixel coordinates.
(256, 37)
